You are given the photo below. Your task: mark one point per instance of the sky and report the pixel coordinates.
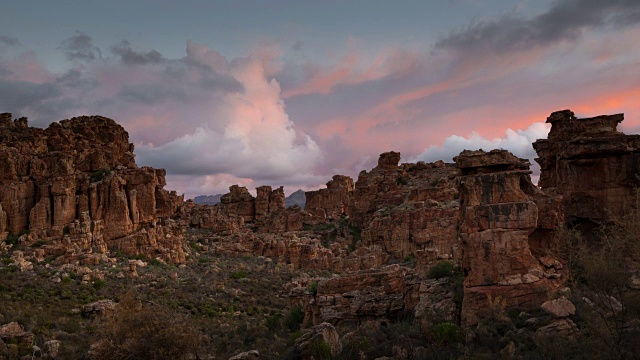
(289, 93)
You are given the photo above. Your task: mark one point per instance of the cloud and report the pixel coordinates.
(131, 57)
(517, 142)
(249, 135)
(297, 46)
(9, 41)
(80, 47)
(566, 20)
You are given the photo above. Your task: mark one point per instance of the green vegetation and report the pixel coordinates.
(98, 175)
(294, 319)
(441, 269)
(237, 275)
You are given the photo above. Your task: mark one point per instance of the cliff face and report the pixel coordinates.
(76, 187)
(503, 218)
(592, 165)
(333, 201)
(408, 209)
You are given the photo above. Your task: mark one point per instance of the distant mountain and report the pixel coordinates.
(207, 199)
(296, 198)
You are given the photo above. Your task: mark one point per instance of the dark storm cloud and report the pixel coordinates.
(17, 95)
(9, 41)
(80, 47)
(566, 20)
(132, 57)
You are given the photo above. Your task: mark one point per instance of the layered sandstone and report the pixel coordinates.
(239, 202)
(332, 202)
(76, 187)
(408, 209)
(502, 233)
(592, 165)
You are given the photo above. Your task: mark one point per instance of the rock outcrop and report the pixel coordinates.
(592, 165)
(332, 202)
(408, 209)
(76, 187)
(499, 215)
(354, 297)
(239, 202)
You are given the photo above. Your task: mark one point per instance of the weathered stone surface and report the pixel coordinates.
(308, 344)
(435, 302)
(51, 349)
(333, 201)
(500, 240)
(354, 297)
(592, 165)
(559, 307)
(75, 186)
(408, 209)
(247, 355)
(101, 308)
(14, 332)
(563, 328)
(239, 202)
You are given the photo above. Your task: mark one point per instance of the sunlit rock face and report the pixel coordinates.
(506, 228)
(595, 167)
(75, 187)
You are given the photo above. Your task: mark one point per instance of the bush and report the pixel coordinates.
(294, 319)
(98, 175)
(313, 288)
(149, 331)
(441, 269)
(447, 333)
(12, 240)
(273, 322)
(238, 275)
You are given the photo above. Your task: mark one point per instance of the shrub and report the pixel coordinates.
(12, 240)
(320, 350)
(238, 275)
(313, 288)
(273, 322)
(294, 319)
(441, 269)
(409, 257)
(448, 333)
(149, 331)
(98, 175)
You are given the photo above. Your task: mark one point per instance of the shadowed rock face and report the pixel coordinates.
(501, 214)
(595, 167)
(76, 186)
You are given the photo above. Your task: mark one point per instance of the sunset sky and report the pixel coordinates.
(292, 92)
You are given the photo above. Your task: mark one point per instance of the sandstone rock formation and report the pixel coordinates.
(241, 203)
(592, 165)
(499, 215)
(76, 187)
(333, 201)
(354, 297)
(408, 209)
(310, 344)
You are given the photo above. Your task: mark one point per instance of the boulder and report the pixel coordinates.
(559, 308)
(317, 340)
